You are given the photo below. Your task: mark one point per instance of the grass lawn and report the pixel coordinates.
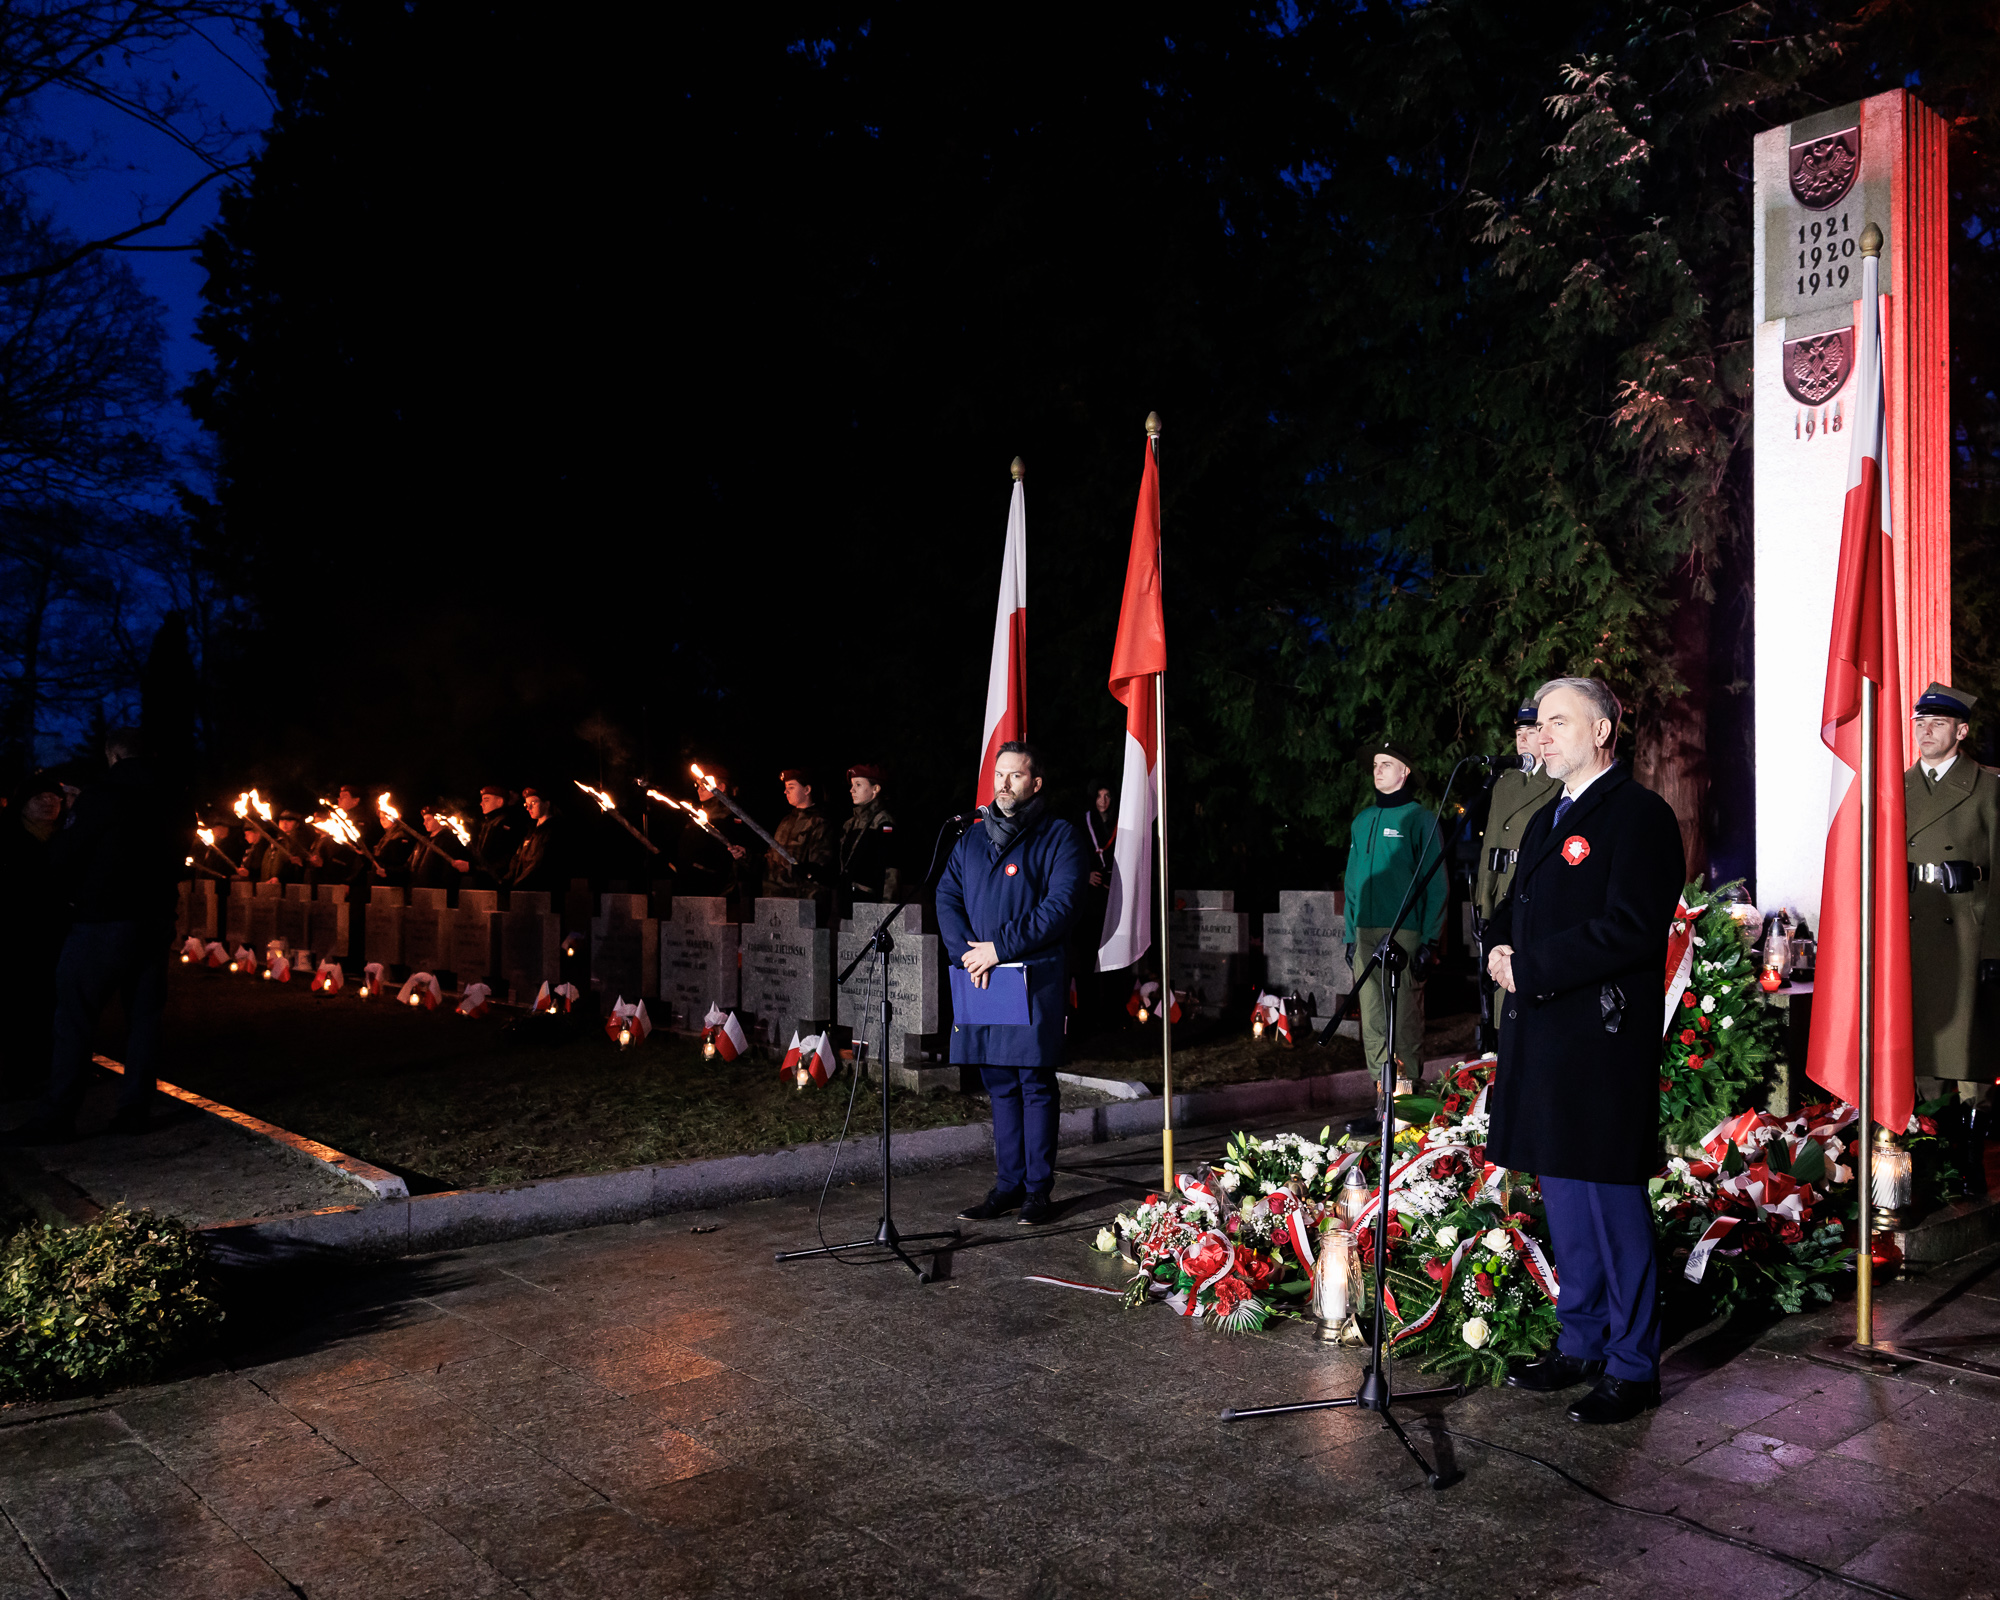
(451, 1102)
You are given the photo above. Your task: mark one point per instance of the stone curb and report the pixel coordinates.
(406, 1225)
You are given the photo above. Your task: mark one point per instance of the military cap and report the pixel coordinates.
(1527, 714)
(797, 775)
(1392, 747)
(863, 769)
(1941, 700)
(289, 815)
(493, 789)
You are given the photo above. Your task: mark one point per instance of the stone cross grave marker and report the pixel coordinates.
(915, 968)
(624, 950)
(292, 924)
(1305, 950)
(787, 970)
(1211, 948)
(236, 913)
(427, 932)
(382, 930)
(475, 936)
(200, 909)
(530, 945)
(698, 962)
(328, 921)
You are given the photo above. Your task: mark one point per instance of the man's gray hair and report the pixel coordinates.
(1596, 694)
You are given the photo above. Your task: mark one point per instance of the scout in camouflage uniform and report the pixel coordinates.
(868, 843)
(805, 834)
(1519, 791)
(1952, 807)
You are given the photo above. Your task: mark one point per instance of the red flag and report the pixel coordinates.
(1007, 677)
(1863, 647)
(1137, 659)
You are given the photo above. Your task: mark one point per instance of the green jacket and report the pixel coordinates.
(1958, 819)
(1382, 858)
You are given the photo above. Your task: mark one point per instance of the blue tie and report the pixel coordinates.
(1562, 807)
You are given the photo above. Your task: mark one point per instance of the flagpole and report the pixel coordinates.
(1166, 962)
(1864, 1259)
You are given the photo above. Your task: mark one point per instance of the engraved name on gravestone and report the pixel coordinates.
(292, 925)
(328, 921)
(530, 945)
(698, 962)
(427, 932)
(382, 926)
(1210, 941)
(1305, 949)
(624, 949)
(475, 936)
(914, 968)
(787, 969)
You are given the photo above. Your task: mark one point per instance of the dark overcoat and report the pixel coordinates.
(1026, 912)
(1577, 1093)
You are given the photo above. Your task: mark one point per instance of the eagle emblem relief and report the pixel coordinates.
(1823, 170)
(1816, 368)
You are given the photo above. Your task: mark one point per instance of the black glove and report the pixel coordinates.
(1349, 952)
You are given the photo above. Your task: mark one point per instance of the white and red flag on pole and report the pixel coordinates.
(1137, 659)
(1007, 677)
(1863, 649)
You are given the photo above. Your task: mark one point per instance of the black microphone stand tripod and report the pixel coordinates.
(887, 1235)
(1375, 1393)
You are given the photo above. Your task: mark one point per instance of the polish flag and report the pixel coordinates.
(476, 1001)
(725, 1033)
(1863, 649)
(1137, 660)
(1007, 677)
(817, 1062)
(790, 1065)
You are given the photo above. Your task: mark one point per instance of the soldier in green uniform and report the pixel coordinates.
(1952, 807)
(868, 843)
(805, 835)
(1520, 790)
(1391, 843)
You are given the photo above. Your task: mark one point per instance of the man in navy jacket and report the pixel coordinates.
(1580, 947)
(1008, 894)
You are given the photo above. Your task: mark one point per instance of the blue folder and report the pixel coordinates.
(1002, 1003)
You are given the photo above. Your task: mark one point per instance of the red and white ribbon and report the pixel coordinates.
(1680, 961)
(1704, 1247)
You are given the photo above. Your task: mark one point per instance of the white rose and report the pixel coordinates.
(1308, 1172)
(1229, 1182)
(1476, 1332)
(1708, 1002)
(1497, 1242)
(1106, 1240)
(1447, 1238)
(1728, 1022)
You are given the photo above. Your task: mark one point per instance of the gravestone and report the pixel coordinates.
(382, 932)
(915, 967)
(1305, 950)
(475, 937)
(199, 910)
(1818, 184)
(787, 970)
(328, 921)
(293, 925)
(1210, 944)
(530, 945)
(236, 913)
(698, 962)
(261, 926)
(625, 949)
(427, 931)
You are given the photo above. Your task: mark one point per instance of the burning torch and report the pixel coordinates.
(340, 826)
(610, 809)
(385, 807)
(271, 834)
(206, 835)
(699, 813)
(704, 784)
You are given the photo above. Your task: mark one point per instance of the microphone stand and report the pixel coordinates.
(887, 1236)
(1375, 1393)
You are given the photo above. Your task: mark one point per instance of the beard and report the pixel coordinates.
(1004, 803)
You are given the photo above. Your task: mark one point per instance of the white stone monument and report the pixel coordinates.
(787, 970)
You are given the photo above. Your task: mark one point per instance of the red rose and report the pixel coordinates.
(1436, 1268)
(1452, 1103)
(1230, 1293)
(1483, 1284)
(1257, 1270)
(1687, 1036)
(1688, 999)
(1465, 1079)
(1235, 1222)
(1664, 1086)
(1926, 1125)
(1790, 1232)
(1280, 1201)
(1701, 1023)
(1696, 1062)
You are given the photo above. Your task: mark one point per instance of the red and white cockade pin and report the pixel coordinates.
(1575, 848)
(1012, 868)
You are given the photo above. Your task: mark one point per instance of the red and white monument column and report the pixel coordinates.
(1819, 183)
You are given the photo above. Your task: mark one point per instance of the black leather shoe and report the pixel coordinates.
(994, 1205)
(1616, 1400)
(1553, 1372)
(1036, 1212)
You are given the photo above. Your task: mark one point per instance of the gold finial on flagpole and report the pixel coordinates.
(1871, 240)
(1019, 469)
(1152, 424)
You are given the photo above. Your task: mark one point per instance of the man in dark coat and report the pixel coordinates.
(1007, 895)
(538, 859)
(867, 844)
(1580, 947)
(495, 838)
(117, 859)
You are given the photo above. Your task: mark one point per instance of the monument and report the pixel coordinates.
(236, 912)
(475, 937)
(1819, 183)
(427, 932)
(787, 971)
(1305, 951)
(260, 923)
(327, 921)
(698, 962)
(382, 926)
(530, 946)
(292, 925)
(914, 969)
(1210, 941)
(624, 949)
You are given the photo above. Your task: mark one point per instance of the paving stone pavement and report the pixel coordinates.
(662, 1410)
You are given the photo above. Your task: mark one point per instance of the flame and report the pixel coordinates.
(604, 800)
(337, 824)
(665, 799)
(206, 836)
(386, 810)
(189, 862)
(458, 827)
(249, 801)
